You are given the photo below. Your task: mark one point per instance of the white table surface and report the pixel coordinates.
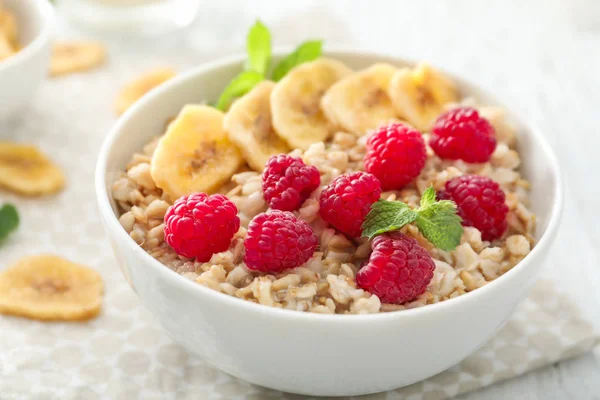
(541, 56)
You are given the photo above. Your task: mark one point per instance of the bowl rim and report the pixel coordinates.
(44, 9)
(116, 230)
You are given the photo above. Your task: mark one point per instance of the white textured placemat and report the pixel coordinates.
(125, 354)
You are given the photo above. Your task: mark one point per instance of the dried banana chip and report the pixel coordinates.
(8, 27)
(27, 171)
(6, 48)
(134, 90)
(47, 287)
(69, 57)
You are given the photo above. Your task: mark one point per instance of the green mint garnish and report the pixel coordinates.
(258, 47)
(436, 220)
(9, 220)
(307, 51)
(239, 86)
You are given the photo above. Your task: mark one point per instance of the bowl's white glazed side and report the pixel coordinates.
(306, 353)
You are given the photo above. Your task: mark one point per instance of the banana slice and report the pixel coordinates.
(249, 126)
(295, 102)
(195, 155)
(27, 171)
(420, 94)
(48, 287)
(134, 90)
(360, 102)
(69, 57)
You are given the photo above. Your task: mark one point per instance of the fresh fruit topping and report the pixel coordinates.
(462, 134)
(396, 155)
(26, 170)
(70, 57)
(249, 126)
(258, 48)
(360, 101)
(347, 200)
(195, 154)
(287, 182)
(277, 240)
(436, 220)
(48, 287)
(295, 102)
(137, 88)
(9, 220)
(398, 269)
(481, 203)
(198, 226)
(420, 94)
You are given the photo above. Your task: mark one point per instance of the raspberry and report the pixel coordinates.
(287, 182)
(395, 155)
(398, 270)
(462, 134)
(199, 225)
(277, 240)
(480, 203)
(347, 200)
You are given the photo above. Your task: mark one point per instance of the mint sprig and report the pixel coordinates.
(305, 52)
(9, 220)
(258, 49)
(436, 220)
(239, 86)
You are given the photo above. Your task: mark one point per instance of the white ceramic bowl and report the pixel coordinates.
(22, 73)
(306, 353)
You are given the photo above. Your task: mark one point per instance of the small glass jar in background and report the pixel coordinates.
(136, 17)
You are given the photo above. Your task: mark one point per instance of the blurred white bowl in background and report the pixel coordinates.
(22, 73)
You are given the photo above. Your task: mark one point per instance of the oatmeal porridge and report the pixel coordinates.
(295, 172)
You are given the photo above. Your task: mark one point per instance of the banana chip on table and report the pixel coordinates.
(249, 126)
(27, 171)
(420, 94)
(50, 288)
(134, 90)
(296, 99)
(360, 101)
(70, 57)
(195, 154)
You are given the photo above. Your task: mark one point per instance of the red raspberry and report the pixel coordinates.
(277, 240)
(347, 200)
(480, 203)
(395, 155)
(462, 134)
(398, 269)
(287, 182)
(199, 225)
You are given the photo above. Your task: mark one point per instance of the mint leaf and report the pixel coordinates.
(438, 221)
(239, 86)
(9, 220)
(307, 51)
(386, 216)
(428, 197)
(258, 47)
